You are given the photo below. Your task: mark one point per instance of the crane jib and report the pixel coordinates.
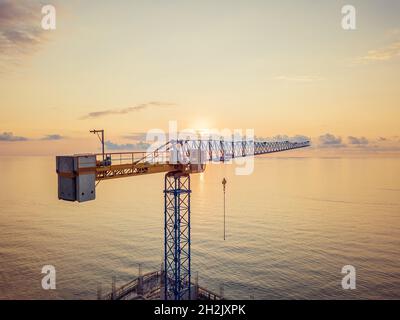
(77, 174)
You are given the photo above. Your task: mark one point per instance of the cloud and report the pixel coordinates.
(280, 138)
(299, 78)
(383, 54)
(20, 31)
(330, 141)
(141, 146)
(297, 138)
(362, 141)
(136, 136)
(393, 32)
(300, 138)
(9, 137)
(139, 107)
(11, 12)
(53, 137)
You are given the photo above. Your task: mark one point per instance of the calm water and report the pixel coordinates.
(291, 227)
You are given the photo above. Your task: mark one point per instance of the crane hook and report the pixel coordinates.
(224, 185)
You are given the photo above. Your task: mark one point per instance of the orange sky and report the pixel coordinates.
(278, 67)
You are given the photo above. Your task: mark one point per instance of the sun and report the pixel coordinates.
(201, 125)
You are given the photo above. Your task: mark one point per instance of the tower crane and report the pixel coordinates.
(78, 176)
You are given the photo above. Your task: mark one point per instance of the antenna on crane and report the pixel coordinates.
(101, 138)
(224, 185)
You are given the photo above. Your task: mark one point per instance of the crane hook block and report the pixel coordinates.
(224, 183)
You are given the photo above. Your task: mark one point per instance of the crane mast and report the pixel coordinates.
(178, 159)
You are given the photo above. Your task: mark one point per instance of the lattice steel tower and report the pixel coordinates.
(177, 273)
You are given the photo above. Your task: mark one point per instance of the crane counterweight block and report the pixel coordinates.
(76, 177)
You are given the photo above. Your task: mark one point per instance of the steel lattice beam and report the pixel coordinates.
(180, 154)
(221, 150)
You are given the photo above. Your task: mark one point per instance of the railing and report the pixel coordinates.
(125, 158)
(204, 294)
(133, 286)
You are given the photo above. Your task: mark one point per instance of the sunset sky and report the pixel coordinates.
(278, 67)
